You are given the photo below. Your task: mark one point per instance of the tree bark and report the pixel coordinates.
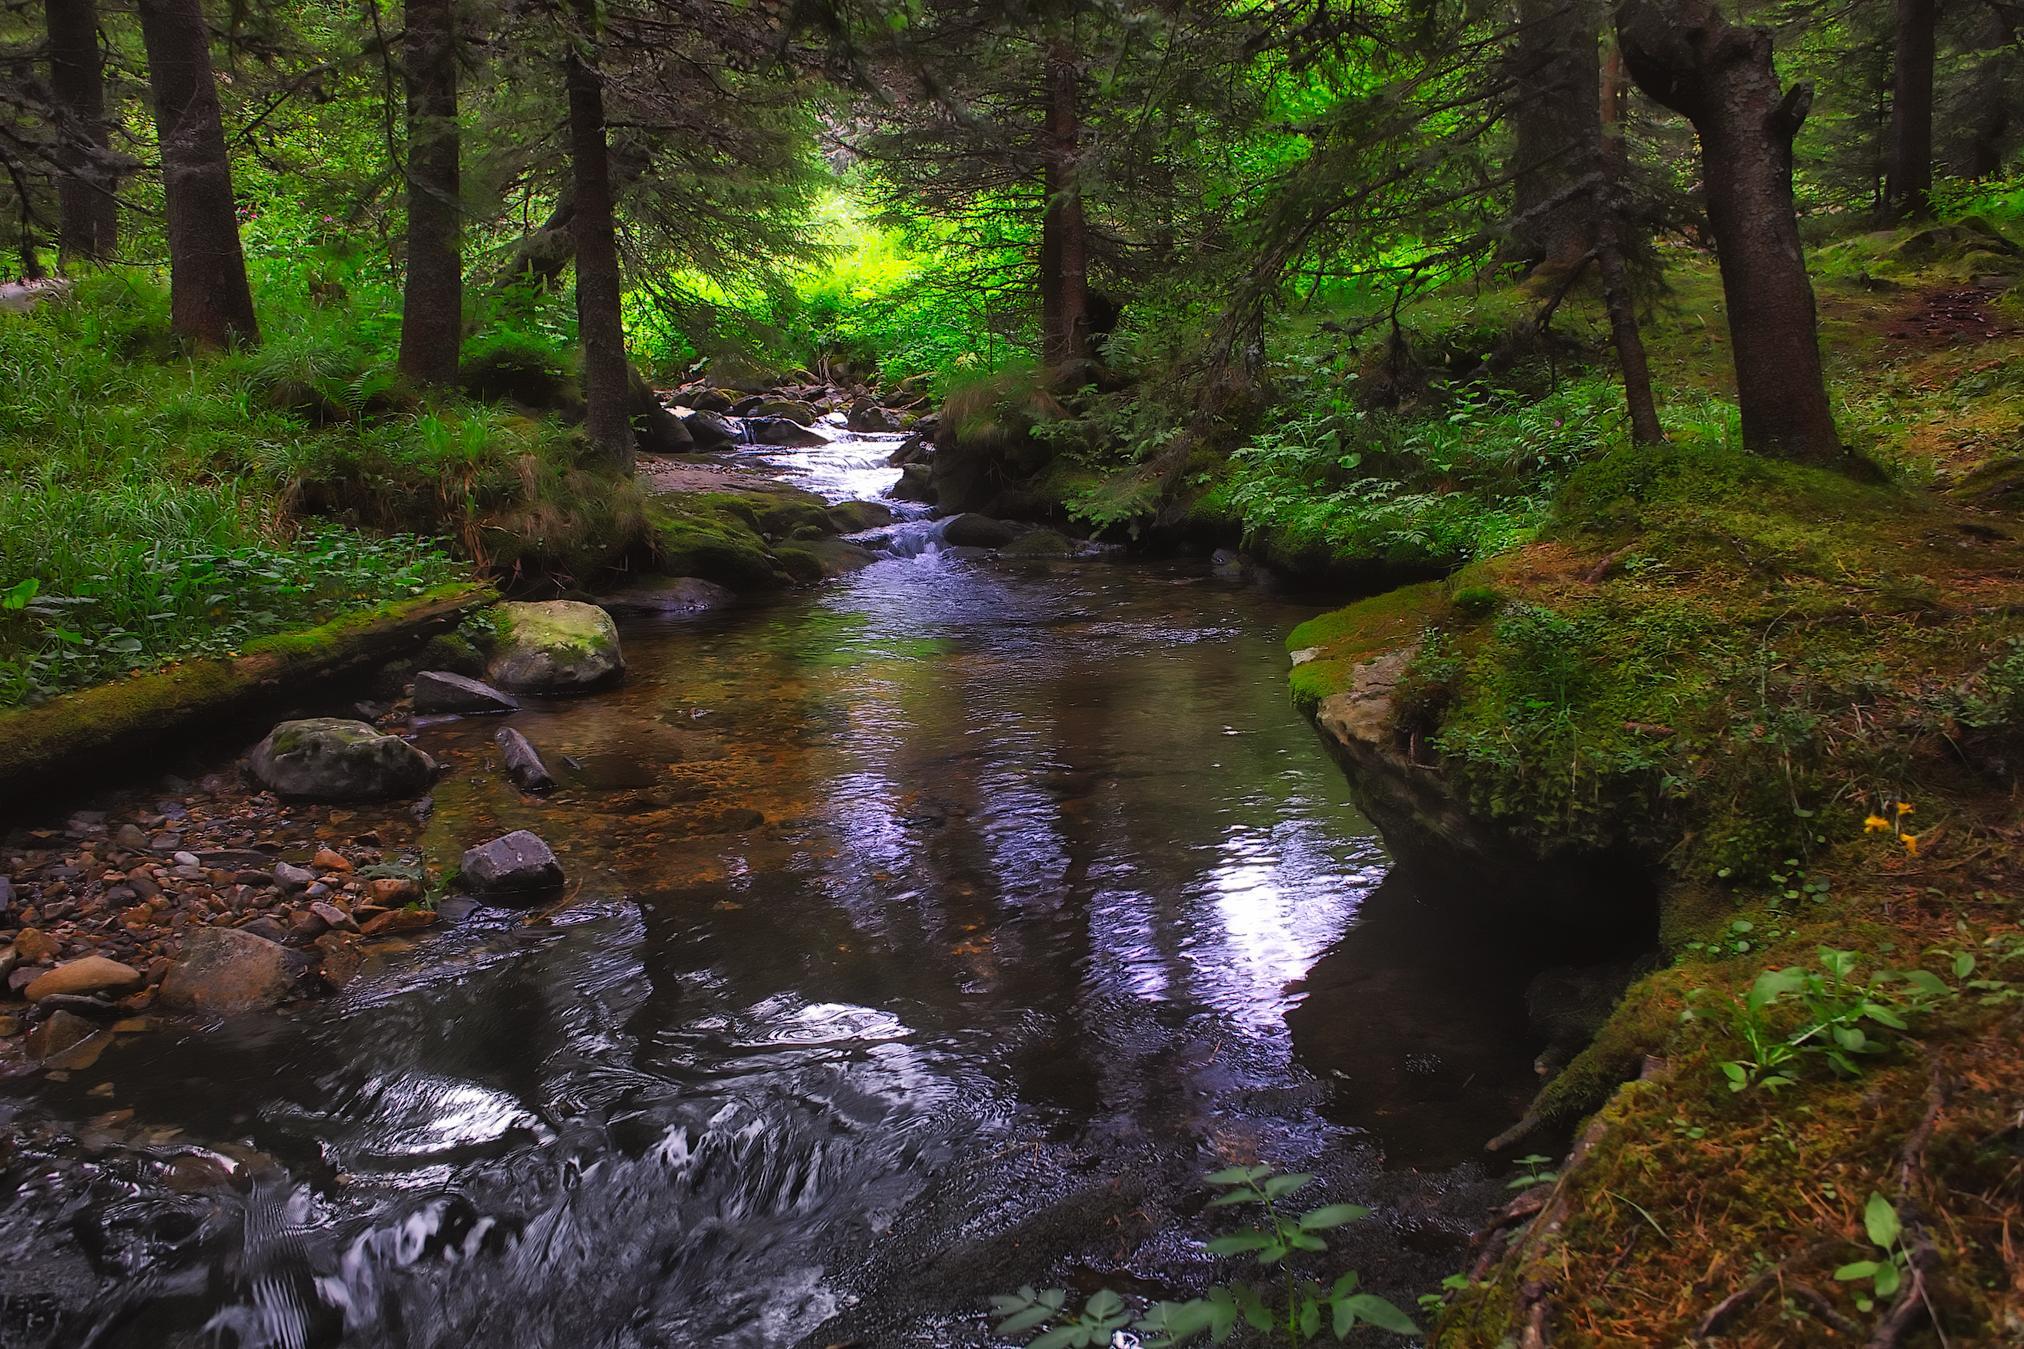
(1064, 230)
(1686, 56)
(1908, 178)
(544, 253)
(432, 311)
(210, 302)
(1554, 67)
(1618, 301)
(598, 323)
(87, 215)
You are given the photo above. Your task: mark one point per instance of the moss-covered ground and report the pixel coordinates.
(1801, 698)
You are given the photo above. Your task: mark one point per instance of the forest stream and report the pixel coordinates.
(928, 934)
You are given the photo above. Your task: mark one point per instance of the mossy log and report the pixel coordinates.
(72, 738)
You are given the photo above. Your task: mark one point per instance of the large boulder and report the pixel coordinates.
(655, 427)
(970, 530)
(986, 449)
(222, 970)
(868, 417)
(709, 431)
(789, 409)
(443, 691)
(331, 759)
(515, 868)
(555, 646)
(783, 433)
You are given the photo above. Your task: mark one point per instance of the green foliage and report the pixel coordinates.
(1296, 1310)
(163, 506)
(1472, 479)
(1792, 1015)
(1885, 1271)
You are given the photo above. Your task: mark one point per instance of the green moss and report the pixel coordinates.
(1345, 638)
(714, 540)
(70, 733)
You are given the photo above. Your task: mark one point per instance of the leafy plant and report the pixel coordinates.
(1843, 1019)
(1532, 1172)
(1295, 1310)
(1885, 1271)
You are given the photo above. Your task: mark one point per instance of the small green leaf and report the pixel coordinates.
(1861, 1269)
(1332, 1215)
(1880, 1220)
(1375, 1310)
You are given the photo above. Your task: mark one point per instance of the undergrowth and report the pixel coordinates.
(159, 505)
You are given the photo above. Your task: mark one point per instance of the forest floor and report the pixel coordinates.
(1801, 699)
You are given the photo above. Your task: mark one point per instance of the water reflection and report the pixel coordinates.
(927, 937)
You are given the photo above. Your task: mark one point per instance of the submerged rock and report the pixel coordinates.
(442, 691)
(515, 868)
(679, 597)
(523, 763)
(331, 759)
(59, 1033)
(556, 646)
(222, 970)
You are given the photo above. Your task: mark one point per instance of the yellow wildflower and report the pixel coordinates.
(1876, 824)
(1911, 842)
(1905, 807)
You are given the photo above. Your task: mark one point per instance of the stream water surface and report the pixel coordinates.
(927, 935)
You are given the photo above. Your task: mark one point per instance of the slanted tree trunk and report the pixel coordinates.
(210, 302)
(1686, 56)
(1908, 177)
(432, 311)
(87, 216)
(1064, 231)
(598, 322)
(1617, 298)
(544, 253)
(1554, 69)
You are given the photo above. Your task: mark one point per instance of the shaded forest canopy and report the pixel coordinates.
(1659, 369)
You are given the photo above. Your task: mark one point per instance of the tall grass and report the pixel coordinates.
(154, 506)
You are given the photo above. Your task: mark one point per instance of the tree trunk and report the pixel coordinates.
(432, 312)
(1554, 67)
(1617, 298)
(1064, 231)
(598, 323)
(544, 253)
(1908, 179)
(210, 302)
(88, 217)
(1686, 56)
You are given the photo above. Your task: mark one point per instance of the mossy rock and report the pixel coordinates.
(555, 646)
(332, 759)
(715, 542)
(854, 517)
(454, 652)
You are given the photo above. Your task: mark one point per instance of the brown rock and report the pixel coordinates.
(326, 860)
(60, 1032)
(393, 891)
(223, 970)
(34, 945)
(341, 958)
(399, 920)
(92, 974)
(9, 1025)
(334, 916)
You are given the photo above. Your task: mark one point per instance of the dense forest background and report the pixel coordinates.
(1169, 232)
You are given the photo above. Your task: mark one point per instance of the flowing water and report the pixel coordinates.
(928, 935)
